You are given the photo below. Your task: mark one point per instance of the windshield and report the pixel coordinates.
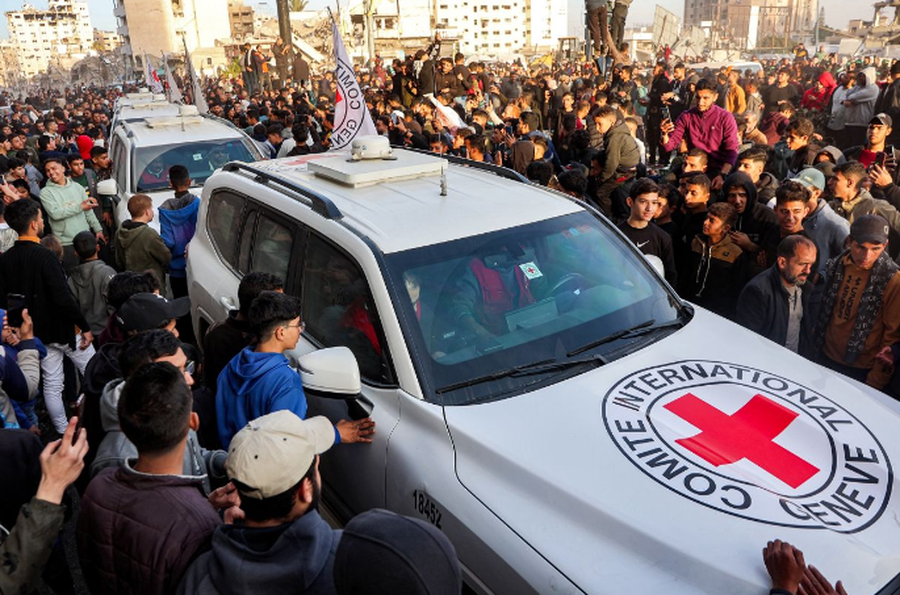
(200, 158)
(544, 292)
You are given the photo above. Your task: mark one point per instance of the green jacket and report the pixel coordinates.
(139, 248)
(63, 206)
(27, 549)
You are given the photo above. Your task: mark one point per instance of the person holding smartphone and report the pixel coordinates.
(32, 271)
(20, 370)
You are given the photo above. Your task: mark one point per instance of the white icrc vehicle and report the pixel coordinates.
(133, 107)
(593, 433)
(142, 151)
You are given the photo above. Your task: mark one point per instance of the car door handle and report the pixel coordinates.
(227, 302)
(359, 408)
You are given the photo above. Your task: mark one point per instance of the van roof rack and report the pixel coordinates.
(499, 170)
(322, 205)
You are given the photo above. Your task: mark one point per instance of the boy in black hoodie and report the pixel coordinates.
(754, 221)
(718, 268)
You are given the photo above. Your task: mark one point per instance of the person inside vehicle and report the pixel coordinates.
(156, 174)
(493, 284)
(218, 157)
(347, 314)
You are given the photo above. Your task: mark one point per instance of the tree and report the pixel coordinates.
(299, 5)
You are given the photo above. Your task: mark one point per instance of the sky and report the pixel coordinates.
(837, 12)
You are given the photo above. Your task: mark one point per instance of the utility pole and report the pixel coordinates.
(284, 25)
(816, 30)
(369, 7)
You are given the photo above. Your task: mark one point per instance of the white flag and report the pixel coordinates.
(448, 116)
(351, 117)
(150, 76)
(196, 89)
(174, 92)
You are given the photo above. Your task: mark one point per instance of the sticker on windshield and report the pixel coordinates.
(531, 270)
(751, 444)
(197, 156)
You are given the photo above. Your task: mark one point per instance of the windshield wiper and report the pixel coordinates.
(547, 365)
(648, 326)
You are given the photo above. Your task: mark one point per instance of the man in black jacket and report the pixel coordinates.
(889, 102)
(660, 91)
(775, 303)
(31, 270)
(142, 524)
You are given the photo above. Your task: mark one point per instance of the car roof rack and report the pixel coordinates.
(499, 170)
(322, 205)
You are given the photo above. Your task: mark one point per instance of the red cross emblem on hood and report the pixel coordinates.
(746, 434)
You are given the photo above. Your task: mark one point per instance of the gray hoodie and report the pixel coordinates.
(863, 98)
(836, 154)
(828, 231)
(88, 282)
(116, 447)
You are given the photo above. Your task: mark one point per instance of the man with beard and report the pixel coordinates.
(775, 303)
(283, 542)
(708, 127)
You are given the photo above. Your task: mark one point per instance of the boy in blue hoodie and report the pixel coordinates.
(177, 224)
(259, 380)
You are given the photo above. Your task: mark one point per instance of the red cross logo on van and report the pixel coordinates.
(749, 434)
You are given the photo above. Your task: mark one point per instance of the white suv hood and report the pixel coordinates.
(644, 476)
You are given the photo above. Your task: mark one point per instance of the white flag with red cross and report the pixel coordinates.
(351, 116)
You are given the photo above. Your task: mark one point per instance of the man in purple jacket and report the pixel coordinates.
(708, 127)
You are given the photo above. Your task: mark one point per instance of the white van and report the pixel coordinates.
(714, 67)
(593, 433)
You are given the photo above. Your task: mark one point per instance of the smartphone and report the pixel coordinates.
(881, 159)
(15, 304)
(666, 113)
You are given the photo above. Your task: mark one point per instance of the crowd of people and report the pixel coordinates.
(770, 198)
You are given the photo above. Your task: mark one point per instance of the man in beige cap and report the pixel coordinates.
(284, 545)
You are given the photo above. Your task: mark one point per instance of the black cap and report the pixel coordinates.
(883, 119)
(149, 311)
(872, 229)
(827, 169)
(383, 552)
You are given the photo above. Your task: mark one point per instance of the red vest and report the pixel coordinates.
(496, 299)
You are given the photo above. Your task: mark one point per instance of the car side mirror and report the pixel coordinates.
(331, 373)
(107, 188)
(657, 263)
